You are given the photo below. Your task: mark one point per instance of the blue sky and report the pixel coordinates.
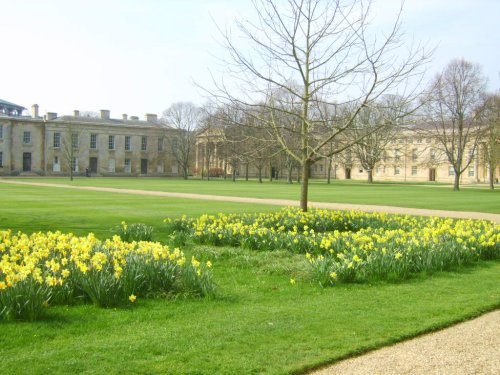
(140, 56)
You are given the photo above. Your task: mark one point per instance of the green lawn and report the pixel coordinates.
(258, 323)
(339, 191)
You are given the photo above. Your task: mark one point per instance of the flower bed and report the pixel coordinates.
(54, 268)
(353, 246)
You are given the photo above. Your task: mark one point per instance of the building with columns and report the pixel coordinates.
(53, 145)
(409, 157)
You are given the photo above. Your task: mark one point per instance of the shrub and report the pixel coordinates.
(134, 232)
(54, 268)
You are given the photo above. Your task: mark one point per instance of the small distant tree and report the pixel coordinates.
(375, 128)
(454, 96)
(184, 118)
(70, 140)
(490, 139)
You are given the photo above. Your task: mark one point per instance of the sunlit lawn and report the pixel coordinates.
(340, 191)
(258, 323)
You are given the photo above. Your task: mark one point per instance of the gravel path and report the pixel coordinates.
(278, 202)
(467, 348)
(472, 347)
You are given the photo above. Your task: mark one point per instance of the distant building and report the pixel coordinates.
(409, 157)
(52, 145)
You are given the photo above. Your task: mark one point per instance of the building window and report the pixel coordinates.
(57, 140)
(93, 141)
(74, 140)
(414, 170)
(128, 166)
(111, 165)
(160, 144)
(1, 131)
(396, 171)
(471, 154)
(127, 143)
(321, 168)
(111, 142)
(451, 171)
(419, 140)
(414, 154)
(396, 155)
(433, 154)
(401, 140)
(74, 164)
(1, 159)
(471, 172)
(144, 143)
(27, 137)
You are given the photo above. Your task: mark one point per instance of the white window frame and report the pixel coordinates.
(26, 137)
(111, 142)
(144, 143)
(75, 140)
(128, 143)
(1, 131)
(128, 166)
(74, 164)
(93, 141)
(414, 170)
(112, 165)
(56, 142)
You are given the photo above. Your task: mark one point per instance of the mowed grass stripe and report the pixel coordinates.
(259, 323)
(339, 191)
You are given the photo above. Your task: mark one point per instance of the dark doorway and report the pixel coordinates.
(93, 165)
(432, 174)
(144, 166)
(348, 173)
(26, 161)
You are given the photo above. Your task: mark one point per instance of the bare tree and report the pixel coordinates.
(70, 142)
(376, 126)
(321, 53)
(455, 94)
(184, 118)
(490, 137)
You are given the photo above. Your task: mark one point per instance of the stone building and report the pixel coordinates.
(410, 157)
(105, 146)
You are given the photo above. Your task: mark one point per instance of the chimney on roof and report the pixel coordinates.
(76, 113)
(151, 117)
(105, 114)
(34, 110)
(134, 118)
(125, 117)
(50, 116)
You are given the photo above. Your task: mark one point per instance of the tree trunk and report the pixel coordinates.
(456, 185)
(234, 174)
(260, 174)
(246, 171)
(270, 172)
(304, 188)
(370, 176)
(329, 171)
(491, 176)
(289, 174)
(185, 172)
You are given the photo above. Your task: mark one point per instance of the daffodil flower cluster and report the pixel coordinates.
(52, 268)
(351, 245)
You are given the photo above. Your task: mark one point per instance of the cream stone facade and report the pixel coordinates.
(103, 146)
(410, 157)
